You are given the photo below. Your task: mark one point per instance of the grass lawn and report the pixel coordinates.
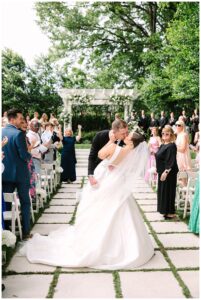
(82, 146)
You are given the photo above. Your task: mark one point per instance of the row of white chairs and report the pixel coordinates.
(46, 184)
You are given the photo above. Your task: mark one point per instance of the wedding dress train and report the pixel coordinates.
(109, 232)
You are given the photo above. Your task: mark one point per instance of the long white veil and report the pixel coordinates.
(133, 165)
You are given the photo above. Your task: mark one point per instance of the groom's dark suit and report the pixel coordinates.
(100, 140)
(16, 173)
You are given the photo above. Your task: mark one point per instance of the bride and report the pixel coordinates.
(109, 232)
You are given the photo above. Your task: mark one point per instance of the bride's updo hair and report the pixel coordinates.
(137, 138)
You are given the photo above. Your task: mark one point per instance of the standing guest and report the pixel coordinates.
(153, 144)
(162, 121)
(184, 117)
(38, 148)
(52, 138)
(44, 118)
(167, 169)
(194, 121)
(16, 173)
(194, 222)
(143, 122)
(36, 116)
(172, 120)
(153, 121)
(31, 167)
(28, 120)
(132, 117)
(68, 158)
(117, 116)
(4, 119)
(183, 152)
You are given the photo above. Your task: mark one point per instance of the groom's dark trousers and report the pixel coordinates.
(16, 173)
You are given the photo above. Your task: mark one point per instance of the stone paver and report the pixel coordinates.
(156, 262)
(85, 286)
(178, 240)
(145, 196)
(154, 216)
(184, 258)
(169, 227)
(149, 208)
(59, 209)
(54, 218)
(150, 285)
(45, 229)
(154, 242)
(63, 202)
(143, 190)
(27, 286)
(64, 196)
(146, 202)
(191, 278)
(20, 264)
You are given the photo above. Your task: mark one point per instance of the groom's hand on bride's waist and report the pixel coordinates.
(92, 180)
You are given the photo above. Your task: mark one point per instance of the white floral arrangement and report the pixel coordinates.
(133, 126)
(59, 169)
(8, 238)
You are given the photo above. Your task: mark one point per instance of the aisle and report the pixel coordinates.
(171, 273)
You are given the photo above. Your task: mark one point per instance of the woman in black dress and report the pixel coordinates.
(167, 169)
(68, 158)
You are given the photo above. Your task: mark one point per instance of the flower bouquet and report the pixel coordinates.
(8, 240)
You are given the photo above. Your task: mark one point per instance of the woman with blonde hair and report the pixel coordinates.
(182, 142)
(68, 158)
(167, 169)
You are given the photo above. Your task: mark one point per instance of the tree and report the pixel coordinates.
(13, 80)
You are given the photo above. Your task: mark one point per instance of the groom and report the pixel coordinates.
(118, 133)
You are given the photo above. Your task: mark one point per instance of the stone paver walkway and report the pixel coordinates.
(173, 272)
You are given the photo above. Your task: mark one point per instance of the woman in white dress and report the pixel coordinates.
(109, 232)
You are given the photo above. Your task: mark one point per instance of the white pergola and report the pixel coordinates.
(98, 97)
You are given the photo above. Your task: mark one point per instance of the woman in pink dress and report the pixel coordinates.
(153, 144)
(183, 152)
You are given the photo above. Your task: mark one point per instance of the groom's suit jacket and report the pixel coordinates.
(100, 140)
(16, 156)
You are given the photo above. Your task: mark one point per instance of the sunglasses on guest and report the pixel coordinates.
(178, 125)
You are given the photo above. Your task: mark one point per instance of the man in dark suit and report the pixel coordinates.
(16, 173)
(143, 122)
(162, 121)
(118, 133)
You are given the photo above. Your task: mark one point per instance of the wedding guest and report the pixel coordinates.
(194, 222)
(4, 119)
(32, 189)
(132, 117)
(183, 152)
(172, 120)
(153, 121)
(36, 116)
(117, 116)
(153, 144)
(184, 117)
(28, 120)
(68, 157)
(162, 121)
(194, 121)
(38, 147)
(49, 137)
(143, 122)
(167, 169)
(16, 173)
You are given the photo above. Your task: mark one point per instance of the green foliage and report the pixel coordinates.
(13, 80)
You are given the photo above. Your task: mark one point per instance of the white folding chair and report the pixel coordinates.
(14, 214)
(45, 181)
(50, 174)
(32, 211)
(41, 193)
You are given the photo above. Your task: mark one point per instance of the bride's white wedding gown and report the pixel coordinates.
(109, 232)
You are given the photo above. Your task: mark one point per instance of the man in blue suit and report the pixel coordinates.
(16, 173)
